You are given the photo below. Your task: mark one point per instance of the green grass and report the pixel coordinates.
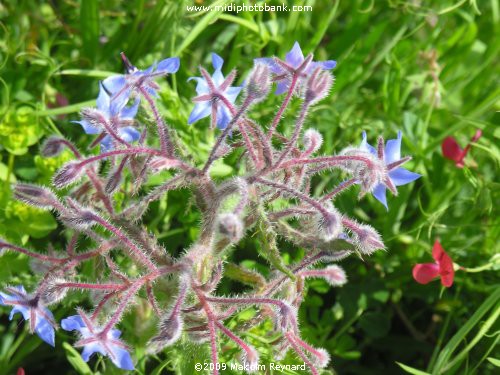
(385, 82)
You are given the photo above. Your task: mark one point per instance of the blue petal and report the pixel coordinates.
(25, 311)
(218, 78)
(129, 113)
(232, 93)
(200, 111)
(401, 176)
(275, 68)
(115, 333)
(329, 64)
(106, 144)
(170, 65)
(121, 358)
(295, 56)
(393, 149)
(282, 87)
(72, 323)
(366, 146)
(223, 117)
(92, 348)
(114, 84)
(129, 134)
(45, 330)
(102, 102)
(201, 87)
(88, 128)
(380, 193)
(217, 61)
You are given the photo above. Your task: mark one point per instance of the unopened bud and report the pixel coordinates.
(367, 239)
(321, 357)
(312, 141)
(250, 359)
(231, 226)
(158, 164)
(318, 86)
(80, 218)
(52, 146)
(69, 173)
(285, 317)
(334, 275)
(34, 195)
(114, 180)
(170, 331)
(53, 292)
(330, 224)
(259, 82)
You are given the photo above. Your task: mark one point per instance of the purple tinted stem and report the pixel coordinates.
(285, 103)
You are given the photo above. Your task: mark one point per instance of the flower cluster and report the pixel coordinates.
(136, 266)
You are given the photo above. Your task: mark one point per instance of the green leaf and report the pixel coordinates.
(89, 27)
(76, 360)
(494, 361)
(375, 324)
(412, 370)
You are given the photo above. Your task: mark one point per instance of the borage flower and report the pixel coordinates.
(215, 95)
(110, 116)
(294, 64)
(40, 318)
(139, 80)
(96, 340)
(442, 267)
(452, 150)
(391, 156)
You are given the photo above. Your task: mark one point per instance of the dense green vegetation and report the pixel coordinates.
(428, 68)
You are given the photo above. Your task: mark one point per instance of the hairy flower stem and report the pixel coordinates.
(167, 148)
(226, 132)
(91, 286)
(143, 258)
(295, 193)
(30, 253)
(92, 175)
(343, 186)
(124, 303)
(283, 106)
(296, 133)
(235, 338)
(290, 337)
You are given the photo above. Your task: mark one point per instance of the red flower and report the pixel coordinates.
(20, 371)
(451, 149)
(442, 267)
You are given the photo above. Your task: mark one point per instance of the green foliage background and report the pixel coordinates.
(52, 54)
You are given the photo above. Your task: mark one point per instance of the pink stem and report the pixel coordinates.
(285, 103)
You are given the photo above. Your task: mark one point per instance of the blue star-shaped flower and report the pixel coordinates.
(121, 86)
(294, 62)
(117, 116)
(40, 318)
(214, 93)
(95, 340)
(391, 155)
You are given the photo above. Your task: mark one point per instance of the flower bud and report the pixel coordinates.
(259, 82)
(367, 239)
(69, 173)
(285, 317)
(53, 292)
(318, 86)
(169, 332)
(312, 141)
(330, 225)
(94, 117)
(334, 275)
(158, 164)
(52, 146)
(321, 357)
(231, 226)
(34, 195)
(249, 358)
(80, 218)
